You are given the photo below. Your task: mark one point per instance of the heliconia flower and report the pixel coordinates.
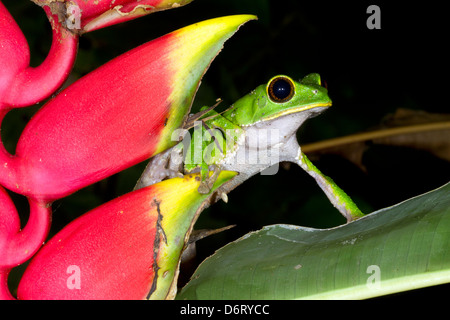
(22, 85)
(128, 248)
(117, 116)
(88, 15)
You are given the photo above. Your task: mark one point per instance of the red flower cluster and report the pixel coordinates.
(117, 116)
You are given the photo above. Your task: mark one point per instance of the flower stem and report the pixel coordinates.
(4, 290)
(32, 85)
(18, 245)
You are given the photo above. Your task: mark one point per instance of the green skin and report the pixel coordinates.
(221, 141)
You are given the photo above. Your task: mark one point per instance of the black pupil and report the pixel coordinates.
(281, 89)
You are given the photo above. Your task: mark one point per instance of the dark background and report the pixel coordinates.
(370, 74)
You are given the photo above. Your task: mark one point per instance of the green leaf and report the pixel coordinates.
(395, 249)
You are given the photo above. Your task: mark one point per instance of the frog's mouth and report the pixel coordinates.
(299, 109)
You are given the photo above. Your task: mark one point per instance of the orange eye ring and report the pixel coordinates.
(280, 89)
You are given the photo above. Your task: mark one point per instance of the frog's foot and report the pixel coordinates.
(207, 184)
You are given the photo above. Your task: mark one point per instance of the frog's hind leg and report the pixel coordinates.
(165, 165)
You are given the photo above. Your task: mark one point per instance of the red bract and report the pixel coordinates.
(20, 84)
(128, 248)
(88, 15)
(117, 116)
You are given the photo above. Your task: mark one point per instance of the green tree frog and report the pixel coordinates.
(253, 135)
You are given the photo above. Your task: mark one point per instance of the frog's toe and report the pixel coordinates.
(204, 188)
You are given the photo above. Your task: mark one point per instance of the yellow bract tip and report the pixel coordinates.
(179, 205)
(189, 55)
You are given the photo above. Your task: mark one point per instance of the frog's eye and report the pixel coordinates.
(280, 89)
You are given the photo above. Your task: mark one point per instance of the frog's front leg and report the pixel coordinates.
(165, 165)
(336, 195)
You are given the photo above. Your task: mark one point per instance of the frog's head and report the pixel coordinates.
(279, 97)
